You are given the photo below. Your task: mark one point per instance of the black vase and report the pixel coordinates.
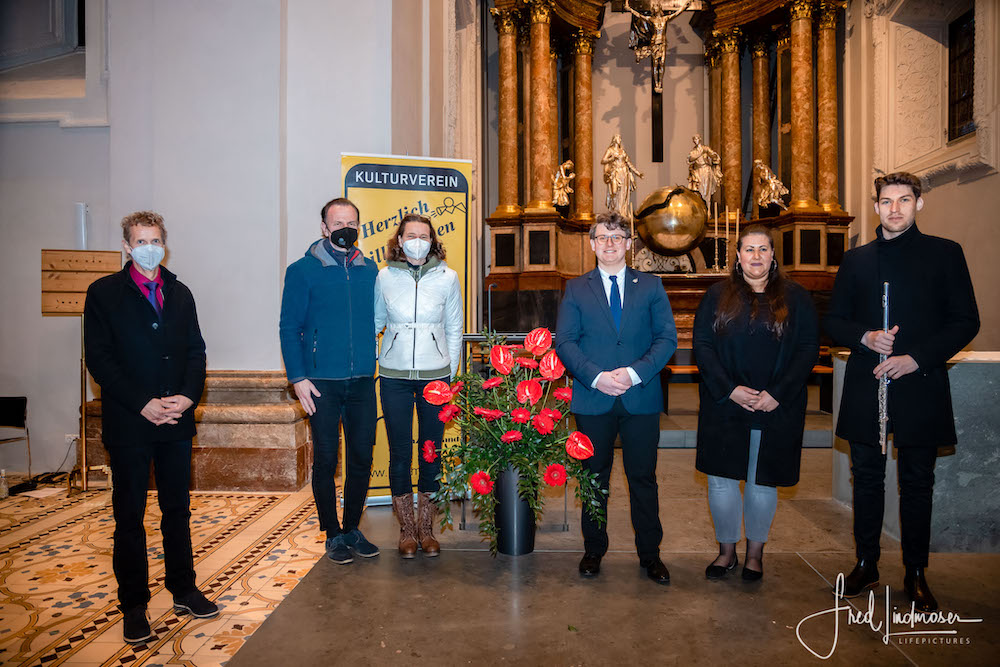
(514, 519)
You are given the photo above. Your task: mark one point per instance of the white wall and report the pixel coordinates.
(622, 91)
(44, 169)
(339, 96)
(967, 213)
(193, 106)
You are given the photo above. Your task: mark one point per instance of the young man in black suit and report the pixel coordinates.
(932, 315)
(145, 350)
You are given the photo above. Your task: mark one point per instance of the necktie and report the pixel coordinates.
(616, 303)
(151, 296)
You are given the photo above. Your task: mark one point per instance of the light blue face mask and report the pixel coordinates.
(148, 256)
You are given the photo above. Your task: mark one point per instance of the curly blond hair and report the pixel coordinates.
(144, 219)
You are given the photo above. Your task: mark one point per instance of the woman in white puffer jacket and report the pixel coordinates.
(418, 302)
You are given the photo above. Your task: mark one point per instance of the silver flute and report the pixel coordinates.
(883, 383)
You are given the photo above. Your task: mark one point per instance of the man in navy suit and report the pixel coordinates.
(615, 334)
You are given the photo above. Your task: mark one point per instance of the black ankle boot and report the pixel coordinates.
(861, 579)
(917, 589)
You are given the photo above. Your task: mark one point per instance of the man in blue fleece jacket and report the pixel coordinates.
(327, 331)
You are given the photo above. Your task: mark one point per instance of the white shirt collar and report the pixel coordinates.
(606, 277)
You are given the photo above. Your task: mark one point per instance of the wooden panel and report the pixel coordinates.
(62, 303)
(100, 261)
(69, 281)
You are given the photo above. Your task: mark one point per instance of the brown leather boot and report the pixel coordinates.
(403, 505)
(425, 525)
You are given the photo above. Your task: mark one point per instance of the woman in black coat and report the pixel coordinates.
(755, 343)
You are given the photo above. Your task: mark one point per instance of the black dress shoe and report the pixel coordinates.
(714, 571)
(752, 575)
(656, 570)
(863, 577)
(917, 589)
(590, 565)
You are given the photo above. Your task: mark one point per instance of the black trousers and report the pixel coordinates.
(916, 494)
(640, 435)
(398, 399)
(130, 475)
(351, 402)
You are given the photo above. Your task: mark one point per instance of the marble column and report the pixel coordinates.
(524, 52)
(803, 186)
(760, 49)
(507, 119)
(828, 184)
(583, 127)
(730, 43)
(542, 163)
(714, 138)
(554, 114)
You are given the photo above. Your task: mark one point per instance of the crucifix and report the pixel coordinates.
(648, 38)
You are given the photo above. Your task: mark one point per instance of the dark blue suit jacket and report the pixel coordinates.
(588, 343)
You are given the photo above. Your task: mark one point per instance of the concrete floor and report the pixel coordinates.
(468, 608)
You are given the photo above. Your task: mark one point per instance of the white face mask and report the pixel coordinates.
(416, 248)
(148, 256)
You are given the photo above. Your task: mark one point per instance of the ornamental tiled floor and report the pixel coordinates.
(57, 589)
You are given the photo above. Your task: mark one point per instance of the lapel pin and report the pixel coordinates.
(635, 280)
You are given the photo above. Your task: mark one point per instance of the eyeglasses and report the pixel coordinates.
(614, 239)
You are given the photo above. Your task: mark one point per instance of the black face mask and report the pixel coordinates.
(344, 237)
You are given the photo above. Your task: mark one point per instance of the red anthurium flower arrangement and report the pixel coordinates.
(538, 341)
(502, 359)
(579, 446)
(512, 423)
(529, 391)
(550, 367)
(437, 392)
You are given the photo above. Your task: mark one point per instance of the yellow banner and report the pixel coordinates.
(385, 188)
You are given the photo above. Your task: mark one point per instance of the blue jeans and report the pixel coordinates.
(757, 505)
(351, 403)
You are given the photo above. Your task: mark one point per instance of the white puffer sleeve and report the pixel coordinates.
(454, 323)
(381, 311)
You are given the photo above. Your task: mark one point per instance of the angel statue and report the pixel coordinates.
(649, 37)
(771, 189)
(561, 189)
(619, 174)
(704, 170)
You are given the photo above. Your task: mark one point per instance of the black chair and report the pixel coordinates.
(14, 414)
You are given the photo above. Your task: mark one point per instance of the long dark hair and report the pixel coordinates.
(394, 248)
(737, 295)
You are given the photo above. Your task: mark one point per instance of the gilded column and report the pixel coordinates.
(583, 127)
(732, 133)
(828, 184)
(803, 110)
(712, 54)
(507, 120)
(542, 165)
(760, 50)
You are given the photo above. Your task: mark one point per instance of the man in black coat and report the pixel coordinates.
(145, 350)
(932, 315)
